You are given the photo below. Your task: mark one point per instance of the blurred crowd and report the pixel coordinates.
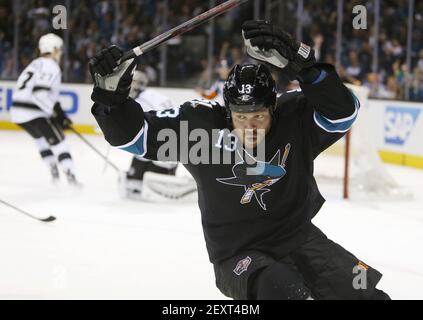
(392, 76)
(95, 24)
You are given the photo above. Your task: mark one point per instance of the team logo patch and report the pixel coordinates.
(242, 266)
(304, 50)
(246, 98)
(256, 178)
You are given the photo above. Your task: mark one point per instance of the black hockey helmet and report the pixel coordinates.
(250, 88)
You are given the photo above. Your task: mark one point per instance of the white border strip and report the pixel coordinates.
(137, 137)
(330, 131)
(344, 119)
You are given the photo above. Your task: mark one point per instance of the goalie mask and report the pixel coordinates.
(139, 84)
(250, 88)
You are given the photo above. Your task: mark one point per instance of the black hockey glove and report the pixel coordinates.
(112, 81)
(271, 44)
(60, 117)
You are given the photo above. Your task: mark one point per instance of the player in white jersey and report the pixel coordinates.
(150, 99)
(215, 92)
(36, 107)
(131, 185)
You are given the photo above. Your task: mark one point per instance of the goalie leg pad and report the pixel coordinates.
(164, 188)
(140, 166)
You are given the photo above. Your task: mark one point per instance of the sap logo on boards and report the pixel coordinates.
(399, 124)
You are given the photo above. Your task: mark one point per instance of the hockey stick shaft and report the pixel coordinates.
(94, 149)
(286, 154)
(49, 219)
(106, 162)
(183, 28)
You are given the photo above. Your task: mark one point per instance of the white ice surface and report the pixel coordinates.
(103, 247)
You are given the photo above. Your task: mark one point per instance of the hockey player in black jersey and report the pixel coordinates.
(256, 211)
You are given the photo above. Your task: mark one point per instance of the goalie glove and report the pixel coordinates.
(271, 44)
(112, 79)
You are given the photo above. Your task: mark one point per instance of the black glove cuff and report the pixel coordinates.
(109, 98)
(308, 75)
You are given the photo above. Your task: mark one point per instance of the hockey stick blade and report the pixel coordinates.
(182, 28)
(49, 219)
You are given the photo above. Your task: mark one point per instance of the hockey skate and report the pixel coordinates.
(72, 180)
(129, 188)
(55, 176)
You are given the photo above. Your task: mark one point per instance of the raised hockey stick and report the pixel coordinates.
(183, 28)
(48, 219)
(94, 149)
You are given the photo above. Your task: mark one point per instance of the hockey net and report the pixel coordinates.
(354, 165)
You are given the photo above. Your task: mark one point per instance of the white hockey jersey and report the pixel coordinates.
(37, 91)
(152, 100)
(216, 92)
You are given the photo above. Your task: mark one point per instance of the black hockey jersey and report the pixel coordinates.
(246, 203)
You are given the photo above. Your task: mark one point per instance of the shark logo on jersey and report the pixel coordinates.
(256, 177)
